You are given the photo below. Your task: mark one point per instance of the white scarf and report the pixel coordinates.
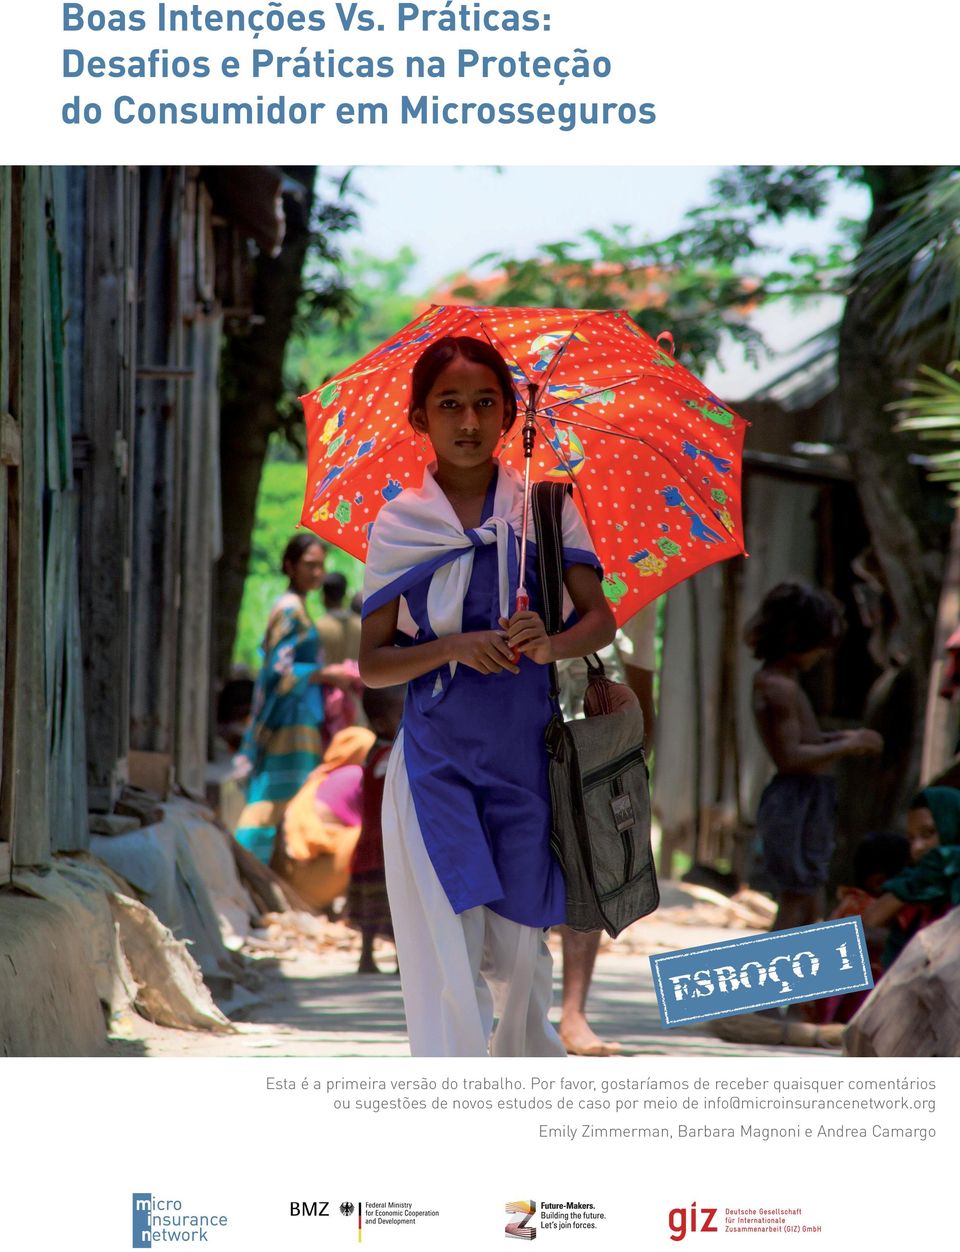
(420, 526)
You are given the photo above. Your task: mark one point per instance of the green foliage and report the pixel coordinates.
(776, 192)
(323, 346)
(278, 511)
(379, 307)
(325, 298)
(326, 284)
(259, 592)
(703, 281)
(912, 268)
(932, 414)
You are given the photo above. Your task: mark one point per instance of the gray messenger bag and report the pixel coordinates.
(599, 786)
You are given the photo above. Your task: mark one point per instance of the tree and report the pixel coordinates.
(254, 399)
(872, 360)
(379, 307)
(925, 236)
(932, 412)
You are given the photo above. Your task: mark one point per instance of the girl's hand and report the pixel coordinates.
(527, 635)
(862, 742)
(324, 678)
(339, 676)
(486, 651)
(882, 911)
(241, 767)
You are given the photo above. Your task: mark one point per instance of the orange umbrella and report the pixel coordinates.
(654, 457)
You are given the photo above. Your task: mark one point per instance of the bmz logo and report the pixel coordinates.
(691, 1221)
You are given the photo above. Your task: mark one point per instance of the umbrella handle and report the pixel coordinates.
(523, 602)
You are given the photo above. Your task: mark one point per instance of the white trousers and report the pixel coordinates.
(462, 971)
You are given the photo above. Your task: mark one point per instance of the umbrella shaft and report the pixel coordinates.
(521, 588)
(529, 435)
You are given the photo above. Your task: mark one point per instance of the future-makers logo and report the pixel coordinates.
(521, 1229)
(162, 1220)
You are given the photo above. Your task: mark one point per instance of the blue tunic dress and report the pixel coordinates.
(477, 765)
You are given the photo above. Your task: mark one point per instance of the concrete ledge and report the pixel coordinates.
(48, 997)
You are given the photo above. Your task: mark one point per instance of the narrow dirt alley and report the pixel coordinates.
(305, 999)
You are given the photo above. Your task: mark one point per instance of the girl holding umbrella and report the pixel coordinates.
(466, 820)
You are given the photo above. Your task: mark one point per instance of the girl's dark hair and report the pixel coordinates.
(794, 618)
(297, 546)
(435, 359)
(383, 704)
(881, 852)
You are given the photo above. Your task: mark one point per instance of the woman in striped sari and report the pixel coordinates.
(282, 744)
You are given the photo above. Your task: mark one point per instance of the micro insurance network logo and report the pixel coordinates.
(157, 1221)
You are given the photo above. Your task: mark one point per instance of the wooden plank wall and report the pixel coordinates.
(31, 811)
(66, 733)
(161, 367)
(176, 517)
(107, 293)
(10, 184)
(200, 471)
(109, 348)
(701, 790)
(42, 749)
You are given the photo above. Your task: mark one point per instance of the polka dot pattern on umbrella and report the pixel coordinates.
(654, 457)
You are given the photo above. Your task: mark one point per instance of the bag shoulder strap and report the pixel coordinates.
(547, 503)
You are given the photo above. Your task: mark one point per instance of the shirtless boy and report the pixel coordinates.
(796, 627)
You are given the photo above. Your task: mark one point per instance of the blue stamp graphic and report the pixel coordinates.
(761, 972)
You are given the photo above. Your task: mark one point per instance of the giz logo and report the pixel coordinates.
(689, 1221)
